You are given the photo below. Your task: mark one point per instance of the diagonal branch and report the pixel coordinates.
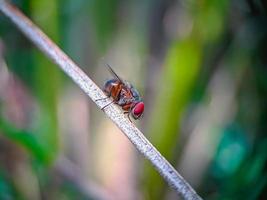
(52, 51)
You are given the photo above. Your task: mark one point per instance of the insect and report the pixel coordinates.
(124, 95)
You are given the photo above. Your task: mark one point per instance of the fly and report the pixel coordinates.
(124, 95)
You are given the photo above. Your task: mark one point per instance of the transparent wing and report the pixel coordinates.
(113, 73)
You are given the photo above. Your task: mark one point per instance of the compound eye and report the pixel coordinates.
(138, 109)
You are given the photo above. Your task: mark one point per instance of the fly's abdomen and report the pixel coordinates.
(112, 88)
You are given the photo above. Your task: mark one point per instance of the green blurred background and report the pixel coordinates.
(201, 68)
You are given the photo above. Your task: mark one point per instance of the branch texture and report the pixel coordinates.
(53, 52)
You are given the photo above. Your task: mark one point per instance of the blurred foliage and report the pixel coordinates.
(47, 93)
(185, 45)
(170, 104)
(7, 189)
(182, 66)
(104, 16)
(28, 141)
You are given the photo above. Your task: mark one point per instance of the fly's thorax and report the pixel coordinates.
(123, 101)
(135, 94)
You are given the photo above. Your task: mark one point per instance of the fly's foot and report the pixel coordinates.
(107, 105)
(128, 115)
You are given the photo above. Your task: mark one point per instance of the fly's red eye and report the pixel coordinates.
(138, 109)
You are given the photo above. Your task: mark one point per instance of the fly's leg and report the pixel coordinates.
(103, 98)
(107, 105)
(128, 115)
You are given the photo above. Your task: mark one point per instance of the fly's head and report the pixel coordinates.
(137, 109)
